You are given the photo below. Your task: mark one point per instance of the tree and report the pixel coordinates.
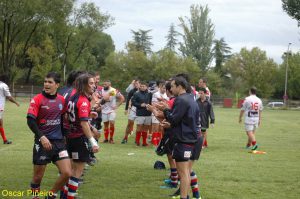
(171, 38)
(221, 53)
(19, 23)
(292, 8)
(141, 41)
(293, 84)
(198, 36)
(251, 68)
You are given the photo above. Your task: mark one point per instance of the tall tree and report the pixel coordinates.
(198, 36)
(141, 41)
(221, 53)
(19, 23)
(251, 68)
(292, 8)
(172, 38)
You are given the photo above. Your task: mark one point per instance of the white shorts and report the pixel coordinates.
(109, 117)
(143, 120)
(251, 127)
(1, 114)
(131, 114)
(154, 120)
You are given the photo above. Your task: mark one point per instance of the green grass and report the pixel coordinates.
(225, 170)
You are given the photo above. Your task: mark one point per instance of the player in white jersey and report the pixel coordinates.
(251, 109)
(158, 96)
(4, 94)
(109, 110)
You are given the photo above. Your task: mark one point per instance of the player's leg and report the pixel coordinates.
(38, 174)
(139, 129)
(65, 170)
(80, 155)
(155, 131)
(250, 130)
(129, 128)
(105, 121)
(112, 118)
(182, 154)
(5, 141)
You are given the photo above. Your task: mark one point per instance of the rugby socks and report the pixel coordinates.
(72, 187)
(156, 136)
(205, 142)
(194, 185)
(64, 191)
(3, 134)
(138, 137)
(253, 143)
(174, 177)
(106, 132)
(112, 132)
(144, 135)
(35, 188)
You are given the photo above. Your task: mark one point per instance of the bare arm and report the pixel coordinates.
(87, 132)
(241, 115)
(10, 98)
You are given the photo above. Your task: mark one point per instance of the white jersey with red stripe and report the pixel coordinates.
(252, 107)
(158, 96)
(4, 92)
(110, 105)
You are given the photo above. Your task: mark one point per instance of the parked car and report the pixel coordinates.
(275, 104)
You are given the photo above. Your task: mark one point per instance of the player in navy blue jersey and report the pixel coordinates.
(184, 122)
(44, 118)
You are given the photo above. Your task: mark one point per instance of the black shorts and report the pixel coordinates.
(43, 157)
(170, 145)
(79, 149)
(182, 152)
(197, 148)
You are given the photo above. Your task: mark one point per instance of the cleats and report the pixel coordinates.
(254, 147)
(145, 144)
(111, 141)
(7, 142)
(176, 193)
(167, 181)
(124, 141)
(105, 141)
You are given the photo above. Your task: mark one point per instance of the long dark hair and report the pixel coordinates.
(82, 83)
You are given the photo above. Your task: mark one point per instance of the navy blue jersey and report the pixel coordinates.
(48, 114)
(184, 119)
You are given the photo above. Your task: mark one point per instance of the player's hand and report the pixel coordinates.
(150, 107)
(17, 104)
(165, 124)
(95, 149)
(143, 105)
(162, 105)
(45, 143)
(93, 115)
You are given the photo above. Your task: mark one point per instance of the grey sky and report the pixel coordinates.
(243, 23)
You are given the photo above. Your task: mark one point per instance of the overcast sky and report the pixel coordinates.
(243, 23)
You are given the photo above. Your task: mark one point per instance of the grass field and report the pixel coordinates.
(225, 170)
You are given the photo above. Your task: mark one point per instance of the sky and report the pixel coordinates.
(242, 23)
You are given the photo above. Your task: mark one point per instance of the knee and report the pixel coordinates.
(37, 179)
(66, 174)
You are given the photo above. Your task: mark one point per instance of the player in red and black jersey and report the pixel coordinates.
(44, 118)
(80, 137)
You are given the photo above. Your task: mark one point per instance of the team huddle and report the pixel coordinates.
(67, 124)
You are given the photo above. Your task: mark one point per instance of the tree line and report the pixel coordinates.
(37, 36)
